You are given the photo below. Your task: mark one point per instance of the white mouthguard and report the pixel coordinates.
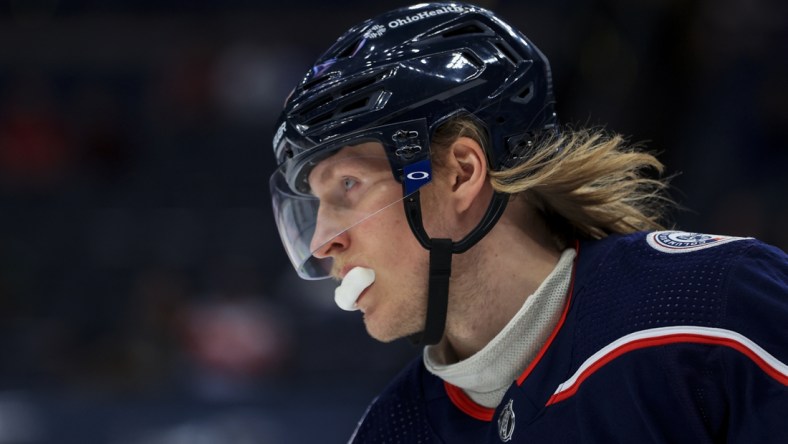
(355, 282)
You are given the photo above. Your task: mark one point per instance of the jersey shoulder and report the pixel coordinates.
(670, 286)
(667, 279)
(667, 268)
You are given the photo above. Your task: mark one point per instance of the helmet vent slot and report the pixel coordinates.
(350, 108)
(506, 52)
(465, 29)
(320, 101)
(358, 104)
(358, 85)
(472, 59)
(314, 82)
(320, 118)
(352, 49)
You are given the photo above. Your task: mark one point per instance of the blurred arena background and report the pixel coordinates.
(144, 294)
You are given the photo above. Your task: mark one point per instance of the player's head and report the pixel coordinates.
(378, 97)
(394, 80)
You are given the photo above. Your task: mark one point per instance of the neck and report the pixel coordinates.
(491, 282)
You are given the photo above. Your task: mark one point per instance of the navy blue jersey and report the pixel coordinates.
(667, 337)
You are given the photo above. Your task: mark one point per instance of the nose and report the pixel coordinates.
(332, 247)
(326, 242)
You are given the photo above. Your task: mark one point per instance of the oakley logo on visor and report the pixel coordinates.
(417, 175)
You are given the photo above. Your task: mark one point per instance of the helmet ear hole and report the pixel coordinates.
(525, 95)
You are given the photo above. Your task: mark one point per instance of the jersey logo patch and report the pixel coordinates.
(685, 242)
(506, 422)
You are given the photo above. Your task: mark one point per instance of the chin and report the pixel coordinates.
(388, 333)
(382, 335)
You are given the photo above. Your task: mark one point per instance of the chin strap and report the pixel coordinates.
(441, 251)
(438, 299)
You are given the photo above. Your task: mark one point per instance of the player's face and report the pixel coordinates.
(352, 182)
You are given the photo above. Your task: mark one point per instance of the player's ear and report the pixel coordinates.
(467, 167)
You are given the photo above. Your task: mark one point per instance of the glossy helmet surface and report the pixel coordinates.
(430, 61)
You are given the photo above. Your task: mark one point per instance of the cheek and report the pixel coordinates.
(406, 259)
(434, 215)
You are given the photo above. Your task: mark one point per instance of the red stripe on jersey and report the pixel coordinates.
(467, 405)
(558, 326)
(672, 335)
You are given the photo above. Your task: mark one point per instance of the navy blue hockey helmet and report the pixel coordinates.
(394, 79)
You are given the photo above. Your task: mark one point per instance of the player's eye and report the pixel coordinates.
(348, 183)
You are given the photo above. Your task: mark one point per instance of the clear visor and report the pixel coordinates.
(332, 188)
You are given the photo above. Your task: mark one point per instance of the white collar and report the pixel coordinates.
(486, 375)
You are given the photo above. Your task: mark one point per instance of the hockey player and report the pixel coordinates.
(422, 164)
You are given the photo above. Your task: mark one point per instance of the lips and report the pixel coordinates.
(345, 271)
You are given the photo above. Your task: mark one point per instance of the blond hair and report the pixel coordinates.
(585, 183)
